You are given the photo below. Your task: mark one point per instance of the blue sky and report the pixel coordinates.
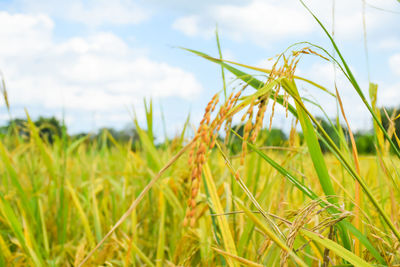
(97, 60)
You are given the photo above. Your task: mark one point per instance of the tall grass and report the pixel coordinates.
(102, 181)
(195, 203)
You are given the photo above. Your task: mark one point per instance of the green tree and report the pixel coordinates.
(49, 128)
(331, 130)
(274, 137)
(17, 126)
(365, 142)
(121, 136)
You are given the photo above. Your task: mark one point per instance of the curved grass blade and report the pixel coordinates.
(353, 81)
(315, 153)
(81, 212)
(220, 57)
(309, 193)
(269, 233)
(332, 146)
(47, 159)
(228, 240)
(273, 226)
(241, 260)
(249, 79)
(161, 231)
(136, 201)
(258, 84)
(15, 224)
(335, 247)
(223, 62)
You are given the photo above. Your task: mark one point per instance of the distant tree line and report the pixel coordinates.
(51, 128)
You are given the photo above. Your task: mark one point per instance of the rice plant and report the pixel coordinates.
(196, 202)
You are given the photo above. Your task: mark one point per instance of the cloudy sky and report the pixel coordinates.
(98, 59)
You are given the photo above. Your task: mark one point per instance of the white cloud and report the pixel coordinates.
(323, 73)
(24, 34)
(394, 62)
(389, 43)
(99, 72)
(228, 54)
(389, 94)
(258, 21)
(191, 26)
(92, 13)
(265, 22)
(266, 63)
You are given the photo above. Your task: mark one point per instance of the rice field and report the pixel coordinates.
(195, 202)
